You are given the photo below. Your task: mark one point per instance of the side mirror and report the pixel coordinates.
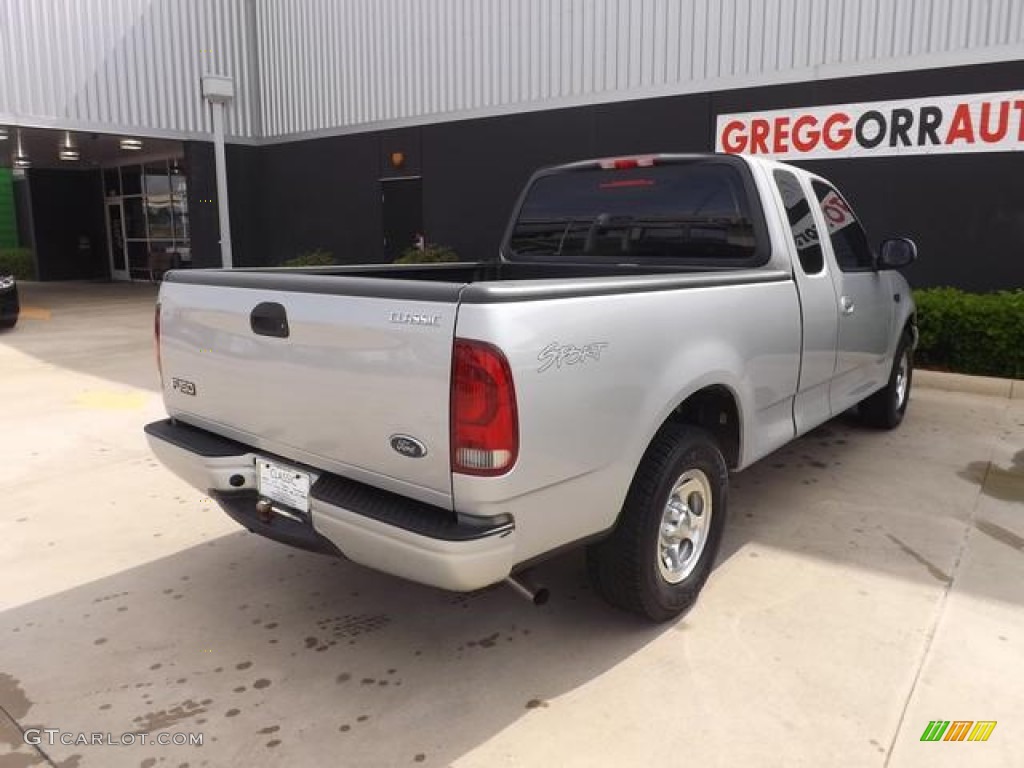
(897, 252)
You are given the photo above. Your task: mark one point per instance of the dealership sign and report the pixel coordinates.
(980, 122)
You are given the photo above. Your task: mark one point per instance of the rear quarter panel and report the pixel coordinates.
(586, 422)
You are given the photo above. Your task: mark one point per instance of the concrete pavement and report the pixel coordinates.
(869, 583)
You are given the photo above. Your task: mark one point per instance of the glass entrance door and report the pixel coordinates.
(147, 219)
(115, 236)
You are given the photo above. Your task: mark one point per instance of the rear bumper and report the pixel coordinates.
(375, 528)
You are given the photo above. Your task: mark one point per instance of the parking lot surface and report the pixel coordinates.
(869, 583)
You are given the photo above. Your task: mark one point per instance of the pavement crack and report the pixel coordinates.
(936, 572)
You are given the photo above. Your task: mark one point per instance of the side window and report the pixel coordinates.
(849, 241)
(801, 223)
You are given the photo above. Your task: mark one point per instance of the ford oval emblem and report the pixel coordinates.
(408, 446)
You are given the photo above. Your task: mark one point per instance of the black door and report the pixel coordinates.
(403, 215)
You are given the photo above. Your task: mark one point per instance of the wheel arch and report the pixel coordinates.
(623, 566)
(716, 409)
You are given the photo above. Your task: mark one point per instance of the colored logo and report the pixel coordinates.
(958, 730)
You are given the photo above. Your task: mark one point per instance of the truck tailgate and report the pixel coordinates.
(334, 388)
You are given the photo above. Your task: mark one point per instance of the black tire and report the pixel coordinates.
(628, 567)
(9, 322)
(885, 409)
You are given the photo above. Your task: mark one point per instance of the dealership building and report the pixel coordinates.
(141, 135)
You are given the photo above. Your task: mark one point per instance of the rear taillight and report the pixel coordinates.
(156, 338)
(485, 426)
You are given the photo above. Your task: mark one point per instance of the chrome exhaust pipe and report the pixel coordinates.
(523, 585)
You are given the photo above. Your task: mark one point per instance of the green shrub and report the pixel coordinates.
(17, 262)
(431, 254)
(977, 333)
(315, 258)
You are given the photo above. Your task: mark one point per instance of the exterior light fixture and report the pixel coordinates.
(131, 145)
(68, 150)
(397, 159)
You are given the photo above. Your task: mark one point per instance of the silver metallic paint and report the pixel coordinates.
(347, 379)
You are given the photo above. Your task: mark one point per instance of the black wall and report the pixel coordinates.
(69, 230)
(324, 194)
(965, 211)
(243, 198)
(23, 214)
(243, 194)
(202, 202)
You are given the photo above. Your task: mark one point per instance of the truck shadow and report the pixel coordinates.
(281, 657)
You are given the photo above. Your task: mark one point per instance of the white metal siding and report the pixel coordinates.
(122, 63)
(305, 66)
(342, 63)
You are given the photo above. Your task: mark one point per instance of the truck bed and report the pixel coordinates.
(362, 358)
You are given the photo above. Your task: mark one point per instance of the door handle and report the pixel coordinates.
(847, 304)
(269, 319)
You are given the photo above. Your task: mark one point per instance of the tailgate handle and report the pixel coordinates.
(269, 319)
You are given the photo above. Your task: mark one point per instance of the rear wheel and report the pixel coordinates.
(885, 409)
(661, 552)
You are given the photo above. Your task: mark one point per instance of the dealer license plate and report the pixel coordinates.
(283, 484)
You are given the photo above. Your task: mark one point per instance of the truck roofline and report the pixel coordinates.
(671, 157)
(652, 157)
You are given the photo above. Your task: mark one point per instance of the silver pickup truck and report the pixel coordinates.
(651, 324)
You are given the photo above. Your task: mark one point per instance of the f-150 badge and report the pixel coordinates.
(557, 355)
(183, 386)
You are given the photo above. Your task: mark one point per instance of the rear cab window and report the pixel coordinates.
(704, 213)
(801, 223)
